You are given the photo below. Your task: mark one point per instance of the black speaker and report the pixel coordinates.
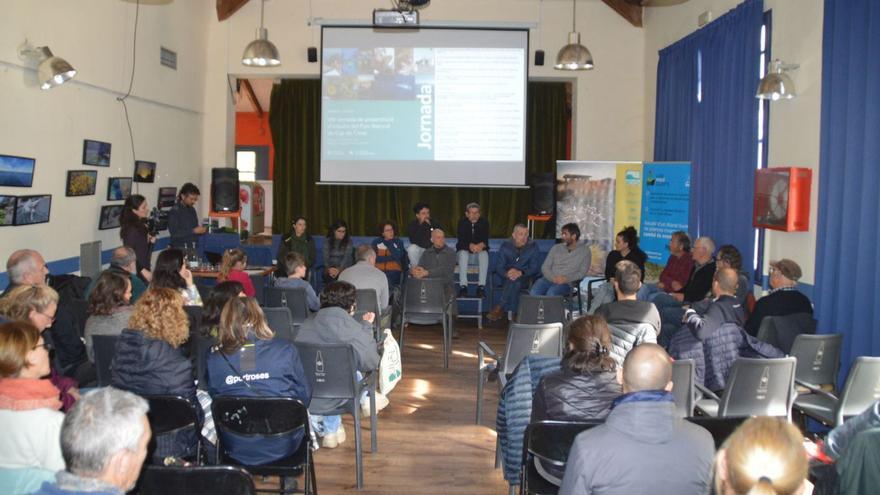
(543, 188)
(539, 57)
(224, 189)
(313, 54)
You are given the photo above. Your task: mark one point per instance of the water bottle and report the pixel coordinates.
(192, 258)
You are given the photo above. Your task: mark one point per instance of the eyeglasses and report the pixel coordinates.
(51, 317)
(44, 345)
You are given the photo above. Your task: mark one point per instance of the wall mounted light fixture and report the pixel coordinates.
(776, 84)
(51, 70)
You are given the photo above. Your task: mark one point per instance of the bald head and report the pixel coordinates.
(647, 367)
(26, 266)
(725, 282)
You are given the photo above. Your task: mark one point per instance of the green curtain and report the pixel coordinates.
(295, 119)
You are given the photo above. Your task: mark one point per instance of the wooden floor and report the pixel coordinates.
(428, 442)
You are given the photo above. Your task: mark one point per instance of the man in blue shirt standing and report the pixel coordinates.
(183, 220)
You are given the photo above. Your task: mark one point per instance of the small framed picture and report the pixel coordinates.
(167, 197)
(32, 209)
(7, 210)
(144, 171)
(118, 188)
(81, 182)
(16, 171)
(110, 216)
(96, 153)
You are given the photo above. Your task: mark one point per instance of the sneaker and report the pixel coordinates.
(381, 403)
(330, 440)
(340, 435)
(481, 292)
(462, 291)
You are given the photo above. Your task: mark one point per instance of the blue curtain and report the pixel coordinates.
(847, 244)
(719, 133)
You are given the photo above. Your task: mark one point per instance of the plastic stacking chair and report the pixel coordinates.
(537, 310)
(720, 428)
(266, 419)
(545, 451)
(203, 480)
(367, 301)
(683, 386)
(426, 301)
(522, 340)
(294, 299)
(755, 387)
(781, 331)
(171, 416)
(336, 390)
(862, 389)
(818, 361)
(104, 347)
(280, 322)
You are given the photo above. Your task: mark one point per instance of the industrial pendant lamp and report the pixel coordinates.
(574, 55)
(261, 52)
(776, 84)
(51, 70)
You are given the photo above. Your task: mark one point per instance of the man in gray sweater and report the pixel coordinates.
(365, 275)
(643, 447)
(438, 261)
(565, 264)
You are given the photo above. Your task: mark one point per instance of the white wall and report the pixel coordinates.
(609, 103)
(165, 108)
(794, 124)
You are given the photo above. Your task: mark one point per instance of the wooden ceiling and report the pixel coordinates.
(628, 9)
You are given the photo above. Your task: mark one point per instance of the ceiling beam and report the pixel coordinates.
(225, 8)
(627, 10)
(249, 91)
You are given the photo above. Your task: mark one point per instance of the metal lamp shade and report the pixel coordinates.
(261, 52)
(53, 71)
(776, 86)
(574, 55)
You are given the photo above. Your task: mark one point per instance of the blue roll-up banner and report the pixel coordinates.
(666, 193)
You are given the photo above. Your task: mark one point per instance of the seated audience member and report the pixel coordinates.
(784, 299)
(124, 262)
(763, 455)
(566, 263)
(232, 268)
(334, 324)
(438, 261)
(723, 309)
(249, 362)
(183, 219)
(27, 267)
(643, 447)
(338, 251)
(296, 271)
(627, 311)
(298, 241)
(728, 256)
(517, 265)
(697, 288)
(842, 435)
(626, 247)
(109, 308)
(365, 275)
(218, 297)
(38, 305)
(148, 360)
(391, 256)
(679, 265)
(472, 247)
(30, 420)
(104, 441)
(419, 232)
(172, 273)
(586, 384)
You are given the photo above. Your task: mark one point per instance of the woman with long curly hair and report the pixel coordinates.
(148, 360)
(109, 308)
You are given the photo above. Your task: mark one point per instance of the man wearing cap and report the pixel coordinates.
(784, 298)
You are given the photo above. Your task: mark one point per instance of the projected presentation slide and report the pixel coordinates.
(428, 106)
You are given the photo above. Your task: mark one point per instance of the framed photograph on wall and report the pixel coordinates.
(167, 197)
(96, 153)
(109, 218)
(118, 188)
(7, 210)
(32, 209)
(81, 182)
(16, 171)
(144, 171)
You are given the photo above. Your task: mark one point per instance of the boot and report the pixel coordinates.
(496, 314)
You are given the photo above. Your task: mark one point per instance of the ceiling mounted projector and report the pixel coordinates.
(410, 4)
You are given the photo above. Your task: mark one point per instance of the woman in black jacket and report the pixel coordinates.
(148, 361)
(586, 384)
(134, 233)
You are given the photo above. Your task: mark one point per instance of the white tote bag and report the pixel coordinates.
(390, 367)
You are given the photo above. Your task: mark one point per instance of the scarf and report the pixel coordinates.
(644, 396)
(26, 394)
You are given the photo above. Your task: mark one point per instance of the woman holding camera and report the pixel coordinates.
(134, 233)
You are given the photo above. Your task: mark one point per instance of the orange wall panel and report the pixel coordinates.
(251, 130)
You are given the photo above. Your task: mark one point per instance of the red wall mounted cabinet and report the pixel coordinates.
(782, 198)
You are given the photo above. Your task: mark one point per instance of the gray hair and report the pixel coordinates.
(707, 242)
(520, 226)
(122, 257)
(102, 423)
(472, 205)
(365, 252)
(20, 264)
